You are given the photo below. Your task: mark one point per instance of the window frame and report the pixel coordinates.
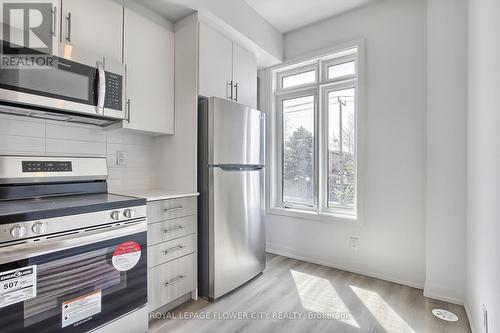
(275, 95)
(294, 71)
(323, 186)
(279, 141)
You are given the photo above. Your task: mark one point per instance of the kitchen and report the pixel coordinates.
(186, 165)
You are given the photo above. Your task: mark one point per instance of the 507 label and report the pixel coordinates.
(17, 285)
(10, 285)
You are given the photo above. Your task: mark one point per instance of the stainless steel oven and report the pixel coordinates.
(79, 84)
(73, 257)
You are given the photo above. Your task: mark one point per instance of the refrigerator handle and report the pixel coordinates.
(230, 85)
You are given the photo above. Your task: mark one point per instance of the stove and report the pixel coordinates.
(73, 257)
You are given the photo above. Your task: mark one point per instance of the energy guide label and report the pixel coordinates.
(17, 285)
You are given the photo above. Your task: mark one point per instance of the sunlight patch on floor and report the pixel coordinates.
(318, 295)
(383, 312)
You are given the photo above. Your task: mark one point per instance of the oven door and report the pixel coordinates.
(73, 284)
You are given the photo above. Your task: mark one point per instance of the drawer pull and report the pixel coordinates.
(173, 249)
(167, 210)
(174, 280)
(179, 227)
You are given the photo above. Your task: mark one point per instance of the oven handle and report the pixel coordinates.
(34, 249)
(101, 88)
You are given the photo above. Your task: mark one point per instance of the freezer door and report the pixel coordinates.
(238, 229)
(237, 134)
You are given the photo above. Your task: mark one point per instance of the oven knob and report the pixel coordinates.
(129, 213)
(18, 231)
(38, 228)
(115, 215)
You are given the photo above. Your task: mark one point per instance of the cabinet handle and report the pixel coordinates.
(173, 249)
(230, 84)
(68, 23)
(236, 87)
(172, 209)
(179, 227)
(174, 280)
(128, 111)
(54, 23)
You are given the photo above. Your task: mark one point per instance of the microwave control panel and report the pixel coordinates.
(114, 92)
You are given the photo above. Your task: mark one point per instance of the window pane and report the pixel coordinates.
(342, 150)
(298, 151)
(298, 79)
(347, 68)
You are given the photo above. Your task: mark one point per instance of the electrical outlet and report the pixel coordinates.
(354, 243)
(485, 319)
(120, 157)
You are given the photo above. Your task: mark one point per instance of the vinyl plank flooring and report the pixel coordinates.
(295, 296)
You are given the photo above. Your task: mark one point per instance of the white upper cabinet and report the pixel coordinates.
(93, 25)
(149, 57)
(215, 63)
(226, 70)
(244, 76)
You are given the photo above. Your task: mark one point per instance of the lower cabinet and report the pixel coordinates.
(172, 255)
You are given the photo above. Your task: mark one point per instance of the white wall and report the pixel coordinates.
(22, 135)
(446, 149)
(483, 225)
(392, 234)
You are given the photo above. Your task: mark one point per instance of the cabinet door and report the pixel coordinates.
(149, 56)
(215, 71)
(244, 76)
(93, 25)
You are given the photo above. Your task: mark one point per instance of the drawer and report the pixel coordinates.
(167, 230)
(171, 209)
(167, 251)
(170, 281)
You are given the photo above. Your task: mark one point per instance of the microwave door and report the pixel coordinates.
(69, 86)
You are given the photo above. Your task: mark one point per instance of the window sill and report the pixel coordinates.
(314, 216)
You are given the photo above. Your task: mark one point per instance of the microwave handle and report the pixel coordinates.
(101, 87)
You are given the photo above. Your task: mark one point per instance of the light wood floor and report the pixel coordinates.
(288, 288)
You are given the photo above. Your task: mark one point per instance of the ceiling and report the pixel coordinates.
(288, 15)
(170, 10)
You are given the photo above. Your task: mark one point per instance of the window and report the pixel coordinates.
(315, 137)
(298, 79)
(298, 151)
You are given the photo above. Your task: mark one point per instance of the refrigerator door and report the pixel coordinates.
(236, 132)
(238, 237)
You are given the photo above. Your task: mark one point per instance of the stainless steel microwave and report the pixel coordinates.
(79, 87)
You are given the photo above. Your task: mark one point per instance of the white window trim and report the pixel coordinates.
(338, 61)
(272, 176)
(279, 143)
(295, 71)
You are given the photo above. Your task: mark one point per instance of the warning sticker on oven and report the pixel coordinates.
(17, 285)
(126, 256)
(81, 308)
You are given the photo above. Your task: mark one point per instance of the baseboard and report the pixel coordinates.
(439, 297)
(472, 324)
(288, 252)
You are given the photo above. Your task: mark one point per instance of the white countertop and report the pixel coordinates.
(157, 194)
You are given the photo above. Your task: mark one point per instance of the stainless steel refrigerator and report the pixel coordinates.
(231, 244)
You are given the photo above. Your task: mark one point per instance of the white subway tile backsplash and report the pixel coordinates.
(20, 135)
(75, 147)
(11, 144)
(9, 126)
(71, 132)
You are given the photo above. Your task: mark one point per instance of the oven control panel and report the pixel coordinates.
(47, 166)
(56, 225)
